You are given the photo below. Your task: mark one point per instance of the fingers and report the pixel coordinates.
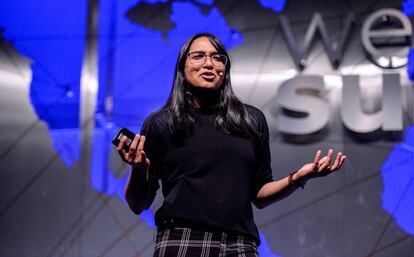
(144, 158)
(134, 143)
(337, 162)
(343, 158)
(326, 161)
(135, 154)
(132, 152)
(120, 148)
(141, 143)
(121, 144)
(140, 151)
(316, 160)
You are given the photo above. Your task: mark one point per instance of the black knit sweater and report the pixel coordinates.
(212, 177)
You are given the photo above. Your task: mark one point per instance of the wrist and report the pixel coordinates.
(296, 175)
(139, 166)
(295, 179)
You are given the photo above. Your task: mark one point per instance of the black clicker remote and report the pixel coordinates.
(124, 132)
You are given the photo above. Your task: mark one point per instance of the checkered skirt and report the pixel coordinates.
(187, 242)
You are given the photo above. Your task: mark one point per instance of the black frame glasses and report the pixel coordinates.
(200, 57)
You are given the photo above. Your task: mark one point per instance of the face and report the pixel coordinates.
(206, 74)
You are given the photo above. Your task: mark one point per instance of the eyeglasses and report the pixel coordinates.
(199, 58)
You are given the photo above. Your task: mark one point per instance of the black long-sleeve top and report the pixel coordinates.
(210, 178)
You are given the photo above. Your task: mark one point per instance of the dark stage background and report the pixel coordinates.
(73, 72)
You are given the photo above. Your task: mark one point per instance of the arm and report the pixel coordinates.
(276, 190)
(137, 191)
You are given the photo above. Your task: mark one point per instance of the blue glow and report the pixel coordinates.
(155, 1)
(408, 7)
(410, 65)
(275, 5)
(264, 248)
(55, 44)
(205, 2)
(148, 217)
(67, 142)
(184, 15)
(398, 176)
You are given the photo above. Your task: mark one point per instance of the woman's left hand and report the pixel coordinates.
(321, 166)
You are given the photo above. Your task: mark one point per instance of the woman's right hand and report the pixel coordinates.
(135, 156)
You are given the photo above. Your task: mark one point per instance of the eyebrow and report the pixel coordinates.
(204, 52)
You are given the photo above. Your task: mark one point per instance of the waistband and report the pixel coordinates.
(175, 222)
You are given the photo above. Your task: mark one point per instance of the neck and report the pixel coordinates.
(204, 98)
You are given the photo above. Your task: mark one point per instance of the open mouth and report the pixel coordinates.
(209, 76)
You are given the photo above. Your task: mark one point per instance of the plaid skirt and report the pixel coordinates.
(187, 242)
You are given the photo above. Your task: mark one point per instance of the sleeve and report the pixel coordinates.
(152, 147)
(263, 173)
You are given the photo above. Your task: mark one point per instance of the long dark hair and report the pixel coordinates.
(231, 116)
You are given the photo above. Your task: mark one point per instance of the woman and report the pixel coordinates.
(211, 153)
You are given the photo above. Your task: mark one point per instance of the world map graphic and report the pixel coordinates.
(136, 59)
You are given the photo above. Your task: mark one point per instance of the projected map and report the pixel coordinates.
(138, 45)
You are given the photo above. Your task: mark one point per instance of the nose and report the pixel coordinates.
(208, 62)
